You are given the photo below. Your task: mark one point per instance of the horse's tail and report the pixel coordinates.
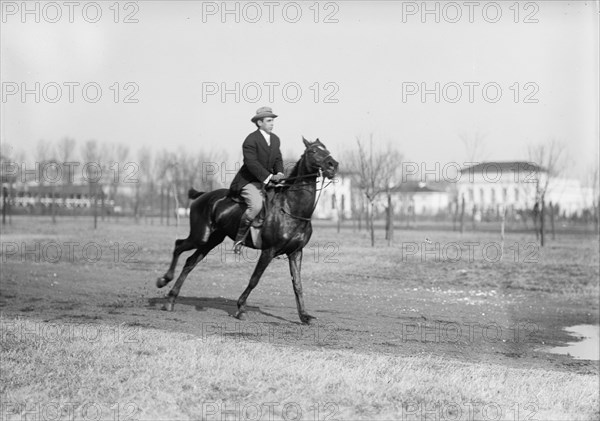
(193, 193)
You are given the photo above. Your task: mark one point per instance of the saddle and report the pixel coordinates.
(257, 223)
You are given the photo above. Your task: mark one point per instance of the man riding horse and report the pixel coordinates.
(215, 215)
(262, 163)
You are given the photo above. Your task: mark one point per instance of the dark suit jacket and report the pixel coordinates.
(260, 160)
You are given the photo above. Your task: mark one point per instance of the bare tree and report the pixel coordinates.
(594, 183)
(43, 153)
(5, 151)
(90, 153)
(119, 166)
(8, 174)
(65, 151)
(349, 157)
(144, 188)
(43, 150)
(169, 171)
(211, 171)
(92, 171)
(375, 172)
(391, 174)
(475, 150)
(550, 157)
(46, 166)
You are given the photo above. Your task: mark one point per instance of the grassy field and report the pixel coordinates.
(437, 326)
(153, 374)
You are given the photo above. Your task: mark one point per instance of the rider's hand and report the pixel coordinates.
(277, 177)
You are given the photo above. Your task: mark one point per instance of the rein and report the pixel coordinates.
(301, 176)
(320, 190)
(316, 201)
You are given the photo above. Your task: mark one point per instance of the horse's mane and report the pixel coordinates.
(296, 169)
(295, 173)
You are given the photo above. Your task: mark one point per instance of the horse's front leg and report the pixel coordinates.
(295, 259)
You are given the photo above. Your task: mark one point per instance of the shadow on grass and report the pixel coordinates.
(217, 303)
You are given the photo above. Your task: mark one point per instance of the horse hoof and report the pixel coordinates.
(241, 315)
(161, 282)
(307, 319)
(168, 307)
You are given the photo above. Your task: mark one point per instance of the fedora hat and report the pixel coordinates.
(263, 112)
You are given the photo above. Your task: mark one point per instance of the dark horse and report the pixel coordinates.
(286, 228)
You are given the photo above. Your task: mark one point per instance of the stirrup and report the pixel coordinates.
(237, 247)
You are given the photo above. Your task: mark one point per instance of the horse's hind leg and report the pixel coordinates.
(180, 247)
(263, 261)
(190, 264)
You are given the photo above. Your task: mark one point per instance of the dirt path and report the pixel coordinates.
(471, 312)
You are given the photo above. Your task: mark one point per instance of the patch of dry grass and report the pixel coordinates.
(136, 373)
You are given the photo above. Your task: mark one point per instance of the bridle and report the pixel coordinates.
(315, 174)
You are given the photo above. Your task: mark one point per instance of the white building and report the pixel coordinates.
(341, 197)
(487, 187)
(492, 186)
(414, 197)
(336, 199)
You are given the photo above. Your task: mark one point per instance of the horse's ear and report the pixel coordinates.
(306, 142)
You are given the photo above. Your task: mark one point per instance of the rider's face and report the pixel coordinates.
(266, 124)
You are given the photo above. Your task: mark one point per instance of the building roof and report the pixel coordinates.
(504, 166)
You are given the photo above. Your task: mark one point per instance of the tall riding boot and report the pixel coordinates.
(241, 234)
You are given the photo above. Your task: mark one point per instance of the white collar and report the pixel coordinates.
(265, 134)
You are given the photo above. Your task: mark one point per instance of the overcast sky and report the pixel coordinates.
(177, 51)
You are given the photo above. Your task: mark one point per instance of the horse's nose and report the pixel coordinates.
(332, 164)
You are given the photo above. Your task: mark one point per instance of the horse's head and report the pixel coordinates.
(318, 157)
